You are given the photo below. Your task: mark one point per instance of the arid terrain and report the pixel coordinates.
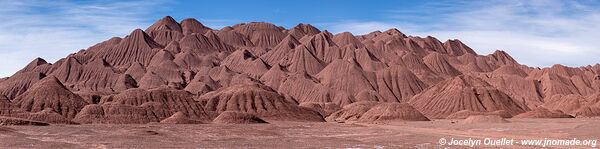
(292, 135)
(255, 85)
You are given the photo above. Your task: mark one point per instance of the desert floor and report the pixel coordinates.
(293, 135)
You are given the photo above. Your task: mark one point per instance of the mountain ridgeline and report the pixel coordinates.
(185, 72)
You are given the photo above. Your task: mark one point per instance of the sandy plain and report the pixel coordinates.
(295, 135)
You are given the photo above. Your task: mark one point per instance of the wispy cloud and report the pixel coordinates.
(535, 32)
(53, 29)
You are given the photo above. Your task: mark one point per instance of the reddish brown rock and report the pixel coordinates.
(502, 58)
(280, 55)
(37, 65)
(173, 100)
(179, 118)
(456, 47)
(525, 92)
(377, 112)
(468, 63)
(542, 112)
(463, 93)
(510, 70)
(463, 114)
(139, 106)
(165, 30)
(242, 61)
(87, 55)
(351, 112)
(344, 76)
(137, 47)
(396, 83)
(6, 107)
(302, 30)
(325, 109)
(136, 71)
(191, 25)
(420, 69)
(274, 77)
(261, 34)
(370, 95)
(17, 121)
(302, 61)
(96, 75)
(567, 103)
(305, 88)
(234, 38)
(150, 75)
(430, 43)
(204, 44)
(112, 113)
(588, 111)
(322, 47)
(202, 84)
(439, 64)
(19, 83)
(346, 39)
(47, 115)
(50, 93)
(152, 80)
(384, 112)
(366, 59)
(234, 117)
(262, 102)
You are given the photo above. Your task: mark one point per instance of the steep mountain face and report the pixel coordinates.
(185, 72)
(50, 93)
(257, 100)
(377, 112)
(463, 93)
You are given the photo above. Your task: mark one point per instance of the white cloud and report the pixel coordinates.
(53, 29)
(536, 33)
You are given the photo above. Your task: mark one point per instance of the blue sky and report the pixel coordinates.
(535, 32)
